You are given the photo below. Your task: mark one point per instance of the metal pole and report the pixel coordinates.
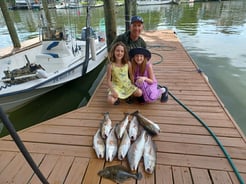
(87, 35)
(21, 146)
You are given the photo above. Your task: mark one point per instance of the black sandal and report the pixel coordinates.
(164, 96)
(129, 100)
(141, 99)
(117, 102)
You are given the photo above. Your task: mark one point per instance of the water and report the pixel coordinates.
(213, 33)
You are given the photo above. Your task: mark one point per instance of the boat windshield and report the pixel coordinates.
(52, 34)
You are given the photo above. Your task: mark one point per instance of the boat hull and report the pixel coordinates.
(14, 96)
(13, 101)
(154, 2)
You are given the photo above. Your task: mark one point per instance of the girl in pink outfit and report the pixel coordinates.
(119, 76)
(144, 77)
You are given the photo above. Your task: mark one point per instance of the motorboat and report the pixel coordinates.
(154, 2)
(59, 58)
(62, 5)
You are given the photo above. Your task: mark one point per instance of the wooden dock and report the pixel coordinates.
(186, 151)
(5, 52)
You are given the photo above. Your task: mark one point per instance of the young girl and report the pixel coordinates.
(144, 77)
(118, 72)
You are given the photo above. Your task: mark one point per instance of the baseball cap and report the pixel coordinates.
(136, 19)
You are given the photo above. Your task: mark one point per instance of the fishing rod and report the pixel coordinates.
(21, 146)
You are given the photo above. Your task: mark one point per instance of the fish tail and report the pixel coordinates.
(126, 113)
(134, 113)
(120, 157)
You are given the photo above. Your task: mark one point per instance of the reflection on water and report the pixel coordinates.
(214, 34)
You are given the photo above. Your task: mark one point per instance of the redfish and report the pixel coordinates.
(106, 125)
(133, 128)
(98, 144)
(111, 145)
(136, 150)
(149, 155)
(124, 146)
(120, 129)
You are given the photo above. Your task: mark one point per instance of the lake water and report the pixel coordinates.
(213, 33)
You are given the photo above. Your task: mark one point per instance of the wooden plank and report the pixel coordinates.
(13, 168)
(235, 179)
(181, 175)
(57, 139)
(59, 172)
(191, 149)
(26, 172)
(5, 159)
(68, 150)
(200, 176)
(199, 161)
(200, 139)
(220, 177)
(164, 174)
(77, 171)
(45, 167)
(94, 166)
(65, 130)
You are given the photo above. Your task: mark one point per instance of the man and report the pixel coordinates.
(132, 38)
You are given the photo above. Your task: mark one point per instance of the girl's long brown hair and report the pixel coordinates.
(112, 58)
(142, 67)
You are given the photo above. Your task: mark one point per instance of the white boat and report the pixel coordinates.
(59, 59)
(154, 2)
(62, 5)
(27, 4)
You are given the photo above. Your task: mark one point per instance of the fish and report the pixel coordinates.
(149, 155)
(136, 150)
(98, 144)
(111, 145)
(133, 128)
(120, 129)
(118, 173)
(106, 125)
(124, 146)
(151, 127)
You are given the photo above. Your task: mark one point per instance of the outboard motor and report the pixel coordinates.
(83, 34)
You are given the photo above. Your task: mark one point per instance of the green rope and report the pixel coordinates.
(214, 136)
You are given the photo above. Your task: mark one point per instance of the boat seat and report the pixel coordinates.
(52, 45)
